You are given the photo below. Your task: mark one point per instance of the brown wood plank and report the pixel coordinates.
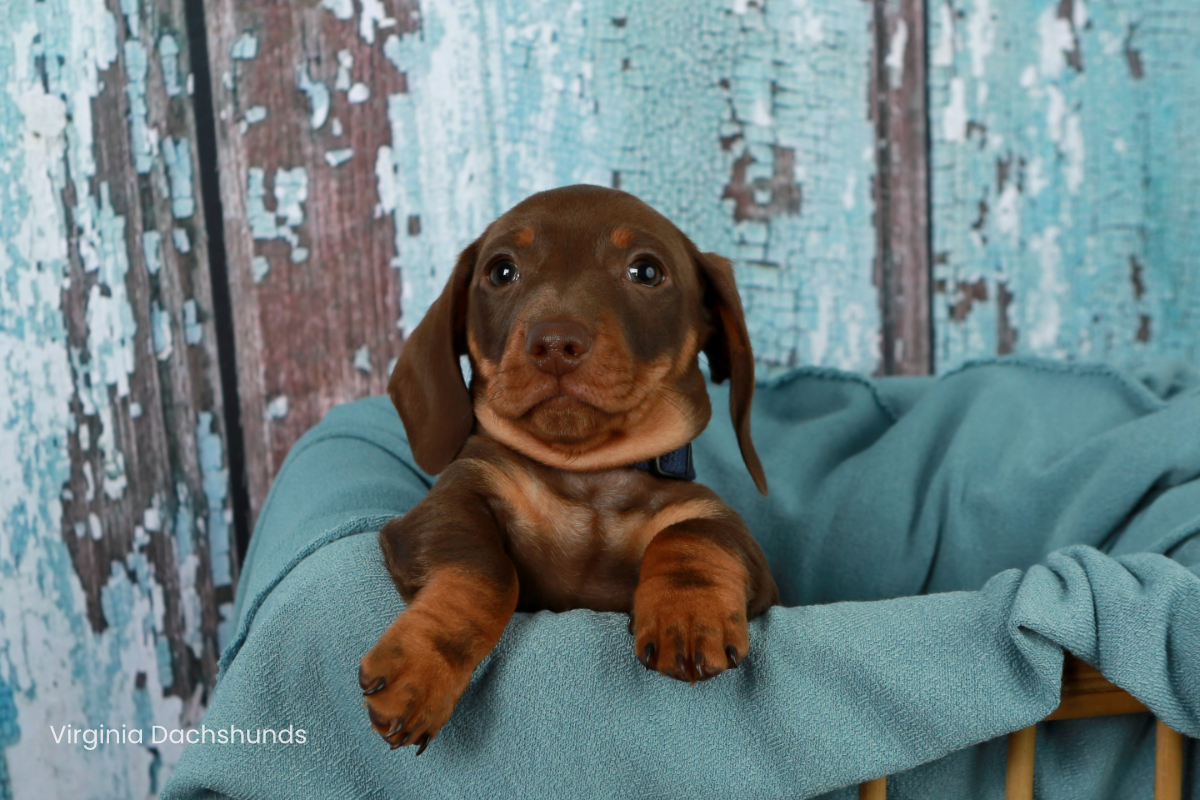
(898, 108)
(1087, 693)
(314, 288)
(1168, 763)
(873, 790)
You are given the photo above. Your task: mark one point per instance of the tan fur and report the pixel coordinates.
(646, 417)
(544, 520)
(703, 508)
(691, 625)
(622, 237)
(523, 237)
(428, 654)
(566, 528)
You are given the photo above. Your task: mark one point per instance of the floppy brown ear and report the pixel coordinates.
(427, 386)
(729, 353)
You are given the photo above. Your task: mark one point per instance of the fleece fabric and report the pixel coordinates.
(938, 542)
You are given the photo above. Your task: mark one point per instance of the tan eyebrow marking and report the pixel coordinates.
(622, 237)
(523, 237)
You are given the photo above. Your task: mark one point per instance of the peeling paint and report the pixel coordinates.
(245, 48)
(373, 16)
(362, 359)
(342, 9)
(514, 99)
(178, 157)
(256, 114)
(152, 251)
(318, 96)
(897, 47)
(1076, 193)
(137, 66)
(277, 408)
(259, 267)
(291, 192)
(345, 61)
(216, 491)
(181, 240)
(168, 54)
(160, 328)
(335, 158)
(57, 205)
(193, 334)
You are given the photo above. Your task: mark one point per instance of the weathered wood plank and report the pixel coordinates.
(116, 549)
(1066, 178)
(301, 95)
(748, 124)
(901, 187)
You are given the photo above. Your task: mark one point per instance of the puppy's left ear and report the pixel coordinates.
(427, 385)
(729, 353)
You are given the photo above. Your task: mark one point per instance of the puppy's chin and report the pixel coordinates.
(571, 435)
(564, 420)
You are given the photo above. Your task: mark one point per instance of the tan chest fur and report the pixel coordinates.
(585, 531)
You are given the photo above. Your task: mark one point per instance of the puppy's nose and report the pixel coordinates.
(557, 346)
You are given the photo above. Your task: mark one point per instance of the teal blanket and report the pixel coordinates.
(938, 544)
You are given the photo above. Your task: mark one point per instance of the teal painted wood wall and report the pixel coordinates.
(364, 142)
(1066, 189)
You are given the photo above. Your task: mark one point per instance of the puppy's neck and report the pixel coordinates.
(610, 450)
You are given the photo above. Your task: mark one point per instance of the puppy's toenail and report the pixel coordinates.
(731, 654)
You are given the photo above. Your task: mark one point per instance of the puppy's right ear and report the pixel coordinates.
(427, 386)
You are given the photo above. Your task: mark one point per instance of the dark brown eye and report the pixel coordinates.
(647, 273)
(503, 273)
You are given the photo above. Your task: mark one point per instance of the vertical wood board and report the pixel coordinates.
(1066, 178)
(115, 548)
(901, 187)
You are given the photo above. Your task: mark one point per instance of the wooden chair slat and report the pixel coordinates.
(873, 790)
(1085, 693)
(1018, 777)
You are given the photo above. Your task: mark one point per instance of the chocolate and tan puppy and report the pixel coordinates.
(583, 312)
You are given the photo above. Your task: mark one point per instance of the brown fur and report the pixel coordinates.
(536, 507)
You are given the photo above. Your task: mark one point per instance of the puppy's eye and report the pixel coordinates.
(503, 273)
(647, 273)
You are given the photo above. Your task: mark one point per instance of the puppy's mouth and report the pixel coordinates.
(563, 417)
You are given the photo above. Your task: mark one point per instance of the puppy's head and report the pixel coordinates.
(582, 311)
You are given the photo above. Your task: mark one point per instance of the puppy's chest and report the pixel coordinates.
(571, 520)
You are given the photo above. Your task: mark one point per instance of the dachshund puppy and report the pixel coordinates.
(565, 468)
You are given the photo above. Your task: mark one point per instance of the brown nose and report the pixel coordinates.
(557, 346)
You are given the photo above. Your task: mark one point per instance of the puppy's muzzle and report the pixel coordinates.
(557, 346)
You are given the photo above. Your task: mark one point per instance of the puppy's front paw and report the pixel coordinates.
(690, 633)
(412, 679)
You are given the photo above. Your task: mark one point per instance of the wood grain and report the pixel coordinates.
(116, 560)
(1087, 693)
(1066, 178)
(1168, 763)
(1018, 774)
(315, 291)
(873, 790)
(901, 187)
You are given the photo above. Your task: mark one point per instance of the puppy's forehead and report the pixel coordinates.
(586, 224)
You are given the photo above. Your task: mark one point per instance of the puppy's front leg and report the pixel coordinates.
(699, 583)
(448, 561)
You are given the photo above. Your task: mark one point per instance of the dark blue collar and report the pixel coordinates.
(676, 464)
